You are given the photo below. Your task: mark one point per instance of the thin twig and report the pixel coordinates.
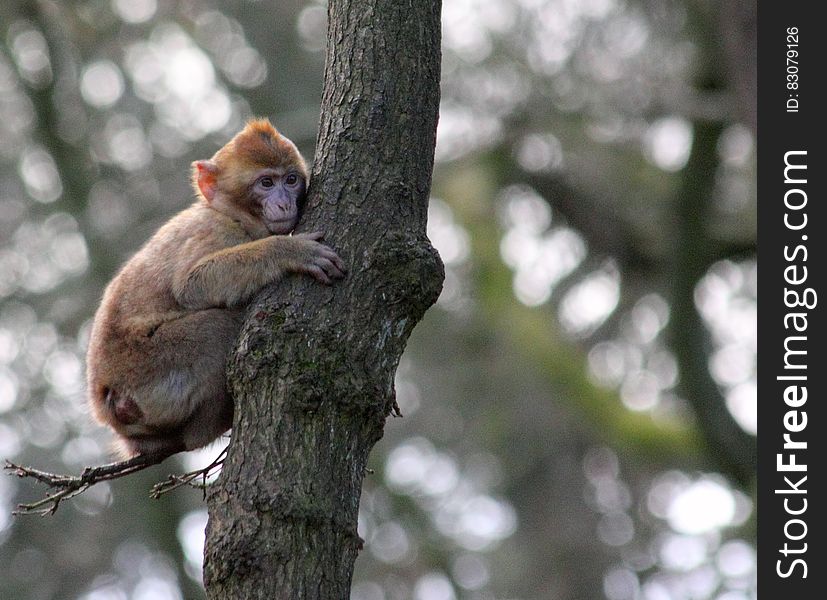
(175, 481)
(68, 486)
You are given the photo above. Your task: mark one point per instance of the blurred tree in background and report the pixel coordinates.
(580, 406)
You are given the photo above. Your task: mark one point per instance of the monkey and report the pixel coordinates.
(162, 334)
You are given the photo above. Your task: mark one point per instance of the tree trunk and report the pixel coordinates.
(313, 371)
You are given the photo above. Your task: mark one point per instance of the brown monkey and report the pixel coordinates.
(167, 321)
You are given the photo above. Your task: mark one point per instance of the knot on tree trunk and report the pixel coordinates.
(411, 273)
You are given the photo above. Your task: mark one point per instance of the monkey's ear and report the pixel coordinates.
(204, 178)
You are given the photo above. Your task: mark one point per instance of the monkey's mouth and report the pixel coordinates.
(281, 226)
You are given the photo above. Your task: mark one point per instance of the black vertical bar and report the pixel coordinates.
(792, 356)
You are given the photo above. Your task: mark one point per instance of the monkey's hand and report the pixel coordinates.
(317, 259)
(230, 276)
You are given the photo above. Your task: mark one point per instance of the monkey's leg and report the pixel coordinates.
(186, 403)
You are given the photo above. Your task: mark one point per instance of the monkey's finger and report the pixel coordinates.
(337, 264)
(340, 264)
(317, 272)
(334, 258)
(312, 235)
(330, 268)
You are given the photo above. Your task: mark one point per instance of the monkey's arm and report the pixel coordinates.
(229, 277)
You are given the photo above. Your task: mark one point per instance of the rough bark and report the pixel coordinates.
(313, 371)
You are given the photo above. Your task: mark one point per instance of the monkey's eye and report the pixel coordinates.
(291, 179)
(266, 182)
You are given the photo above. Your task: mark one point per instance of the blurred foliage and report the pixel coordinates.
(580, 404)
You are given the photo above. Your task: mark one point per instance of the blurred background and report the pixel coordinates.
(579, 406)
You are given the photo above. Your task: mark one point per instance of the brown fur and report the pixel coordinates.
(167, 321)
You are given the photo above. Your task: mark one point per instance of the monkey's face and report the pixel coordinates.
(279, 195)
(258, 178)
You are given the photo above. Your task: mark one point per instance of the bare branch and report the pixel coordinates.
(69, 486)
(175, 481)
